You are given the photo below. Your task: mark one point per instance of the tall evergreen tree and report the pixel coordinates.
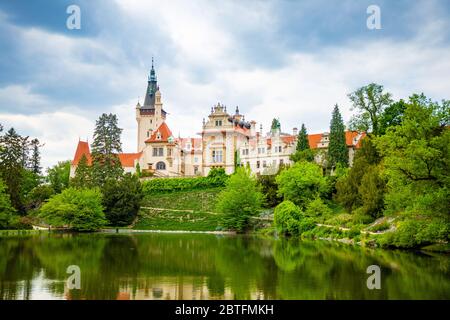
(83, 178)
(337, 148)
(105, 148)
(35, 160)
(11, 165)
(302, 139)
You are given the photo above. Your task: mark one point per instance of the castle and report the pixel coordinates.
(227, 140)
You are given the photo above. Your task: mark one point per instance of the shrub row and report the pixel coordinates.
(216, 178)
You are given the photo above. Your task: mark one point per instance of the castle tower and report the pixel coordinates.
(151, 114)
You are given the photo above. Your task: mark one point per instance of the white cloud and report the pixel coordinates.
(203, 64)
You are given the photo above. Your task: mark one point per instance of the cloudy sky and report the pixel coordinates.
(288, 59)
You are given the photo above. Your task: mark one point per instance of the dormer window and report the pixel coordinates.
(158, 136)
(218, 123)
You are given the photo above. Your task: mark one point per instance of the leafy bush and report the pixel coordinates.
(270, 189)
(7, 212)
(122, 199)
(317, 208)
(216, 178)
(78, 209)
(415, 233)
(301, 183)
(241, 199)
(38, 195)
(286, 217)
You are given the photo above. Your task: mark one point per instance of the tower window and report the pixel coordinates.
(158, 152)
(218, 123)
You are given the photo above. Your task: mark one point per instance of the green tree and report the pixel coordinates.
(347, 186)
(38, 195)
(240, 199)
(372, 190)
(122, 199)
(337, 148)
(392, 115)
(302, 139)
(138, 170)
(301, 183)
(105, 148)
(7, 211)
(287, 217)
(83, 174)
(369, 102)
(35, 160)
(11, 165)
(302, 149)
(417, 159)
(77, 209)
(58, 176)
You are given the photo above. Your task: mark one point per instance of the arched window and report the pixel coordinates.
(160, 166)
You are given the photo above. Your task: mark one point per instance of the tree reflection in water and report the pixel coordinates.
(199, 266)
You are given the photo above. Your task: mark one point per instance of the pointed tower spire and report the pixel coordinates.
(152, 87)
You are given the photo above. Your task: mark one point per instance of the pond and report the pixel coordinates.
(206, 266)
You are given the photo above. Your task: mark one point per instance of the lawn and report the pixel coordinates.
(197, 215)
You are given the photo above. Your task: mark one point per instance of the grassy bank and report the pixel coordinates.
(184, 210)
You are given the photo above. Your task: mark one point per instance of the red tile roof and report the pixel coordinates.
(314, 140)
(164, 131)
(126, 159)
(82, 149)
(288, 139)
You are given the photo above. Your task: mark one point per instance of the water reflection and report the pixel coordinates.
(198, 266)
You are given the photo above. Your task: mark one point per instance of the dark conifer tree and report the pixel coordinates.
(337, 148)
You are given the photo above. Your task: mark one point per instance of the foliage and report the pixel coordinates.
(7, 211)
(417, 160)
(286, 217)
(372, 190)
(12, 165)
(138, 170)
(241, 199)
(392, 115)
(105, 148)
(302, 139)
(269, 188)
(38, 195)
(301, 183)
(83, 174)
(369, 102)
(414, 233)
(303, 155)
(58, 176)
(35, 160)
(347, 186)
(337, 147)
(78, 209)
(163, 185)
(317, 208)
(122, 199)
